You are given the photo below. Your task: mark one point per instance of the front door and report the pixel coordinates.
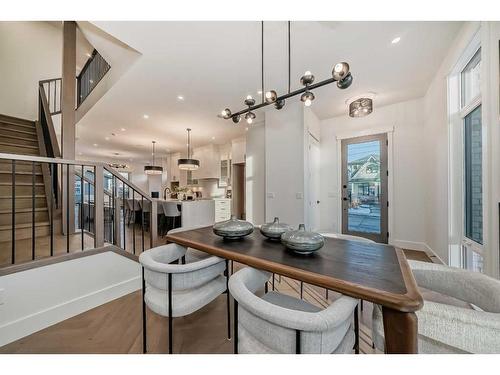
(364, 187)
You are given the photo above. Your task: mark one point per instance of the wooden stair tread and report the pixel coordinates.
(23, 131)
(23, 210)
(21, 173)
(21, 183)
(18, 145)
(22, 196)
(26, 125)
(19, 138)
(7, 118)
(25, 225)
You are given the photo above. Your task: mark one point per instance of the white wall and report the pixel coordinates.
(40, 297)
(408, 223)
(30, 52)
(436, 148)
(284, 145)
(255, 175)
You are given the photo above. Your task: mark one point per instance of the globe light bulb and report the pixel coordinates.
(249, 120)
(308, 102)
(307, 73)
(249, 97)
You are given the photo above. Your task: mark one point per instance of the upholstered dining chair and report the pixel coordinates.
(461, 312)
(192, 255)
(176, 290)
(277, 323)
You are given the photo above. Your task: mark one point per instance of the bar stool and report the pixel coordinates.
(171, 212)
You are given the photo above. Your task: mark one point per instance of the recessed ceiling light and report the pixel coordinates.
(80, 153)
(396, 40)
(246, 129)
(213, 138)
(106, 138)
(180, 97)
(123, 129)
(95, 145)
(88, 54)
(145, 116)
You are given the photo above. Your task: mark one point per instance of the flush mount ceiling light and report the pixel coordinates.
(361, 107)
(340, 74)
(188, 164)
(396, 40)
(153, 169)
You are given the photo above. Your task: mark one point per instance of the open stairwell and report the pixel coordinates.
(19, 136)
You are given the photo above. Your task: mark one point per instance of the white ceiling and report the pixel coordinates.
(216, 64)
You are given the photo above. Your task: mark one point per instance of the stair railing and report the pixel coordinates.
(112, 214)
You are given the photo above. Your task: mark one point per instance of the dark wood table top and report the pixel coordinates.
(373, 272)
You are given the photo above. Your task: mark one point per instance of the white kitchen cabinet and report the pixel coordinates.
(238, 150)
(209, 162)
(222, 209)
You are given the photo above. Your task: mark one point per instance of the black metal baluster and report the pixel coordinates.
(52, 209)
(95, 205)
(235, 326)
(142, 222)
(33, 211)
(170, 318)
(297, 341)
(13, 257)
(124, 219)
(82, 192)
(67, 208)
(135, 216)
(144, 322)
(113, 234)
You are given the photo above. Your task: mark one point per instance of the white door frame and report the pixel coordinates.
(389, 130)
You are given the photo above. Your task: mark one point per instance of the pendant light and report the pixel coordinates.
(153, 169)
(188, 164)
(340, 74)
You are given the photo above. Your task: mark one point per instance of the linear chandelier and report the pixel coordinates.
(340, 74)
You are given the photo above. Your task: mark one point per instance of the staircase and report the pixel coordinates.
(19, 136)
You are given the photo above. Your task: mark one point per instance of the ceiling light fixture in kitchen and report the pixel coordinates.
(153, 169)
(188, 164)
(340, 74)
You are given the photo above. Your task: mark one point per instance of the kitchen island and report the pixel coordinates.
(193, 212)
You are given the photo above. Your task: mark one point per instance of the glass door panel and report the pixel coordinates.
(364, 192)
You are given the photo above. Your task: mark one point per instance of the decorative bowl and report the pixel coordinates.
(233, 228)
(274, 230)
(302, 241)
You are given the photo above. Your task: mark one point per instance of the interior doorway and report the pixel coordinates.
(314, 212)
(238, 191)
(364, 187)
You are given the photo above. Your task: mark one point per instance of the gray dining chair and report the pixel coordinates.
(277, 323)
(191, 254)
(133, 208)
(461, 312)
(171, 212)
(176, 290)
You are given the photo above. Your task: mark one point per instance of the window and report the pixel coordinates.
(470, 78)
(472, 176)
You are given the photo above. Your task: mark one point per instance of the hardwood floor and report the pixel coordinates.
(116, 327)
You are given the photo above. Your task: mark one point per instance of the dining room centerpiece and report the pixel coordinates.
(302, 241)
(274, 230)
(233, 228)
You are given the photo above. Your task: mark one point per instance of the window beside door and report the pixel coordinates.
(472, 238)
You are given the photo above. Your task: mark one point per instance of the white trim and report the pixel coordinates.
(390, 167)
(360, 133)
(14, 330)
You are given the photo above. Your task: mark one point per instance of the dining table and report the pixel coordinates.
(378, 273)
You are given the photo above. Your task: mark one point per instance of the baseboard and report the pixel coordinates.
(29, 324)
